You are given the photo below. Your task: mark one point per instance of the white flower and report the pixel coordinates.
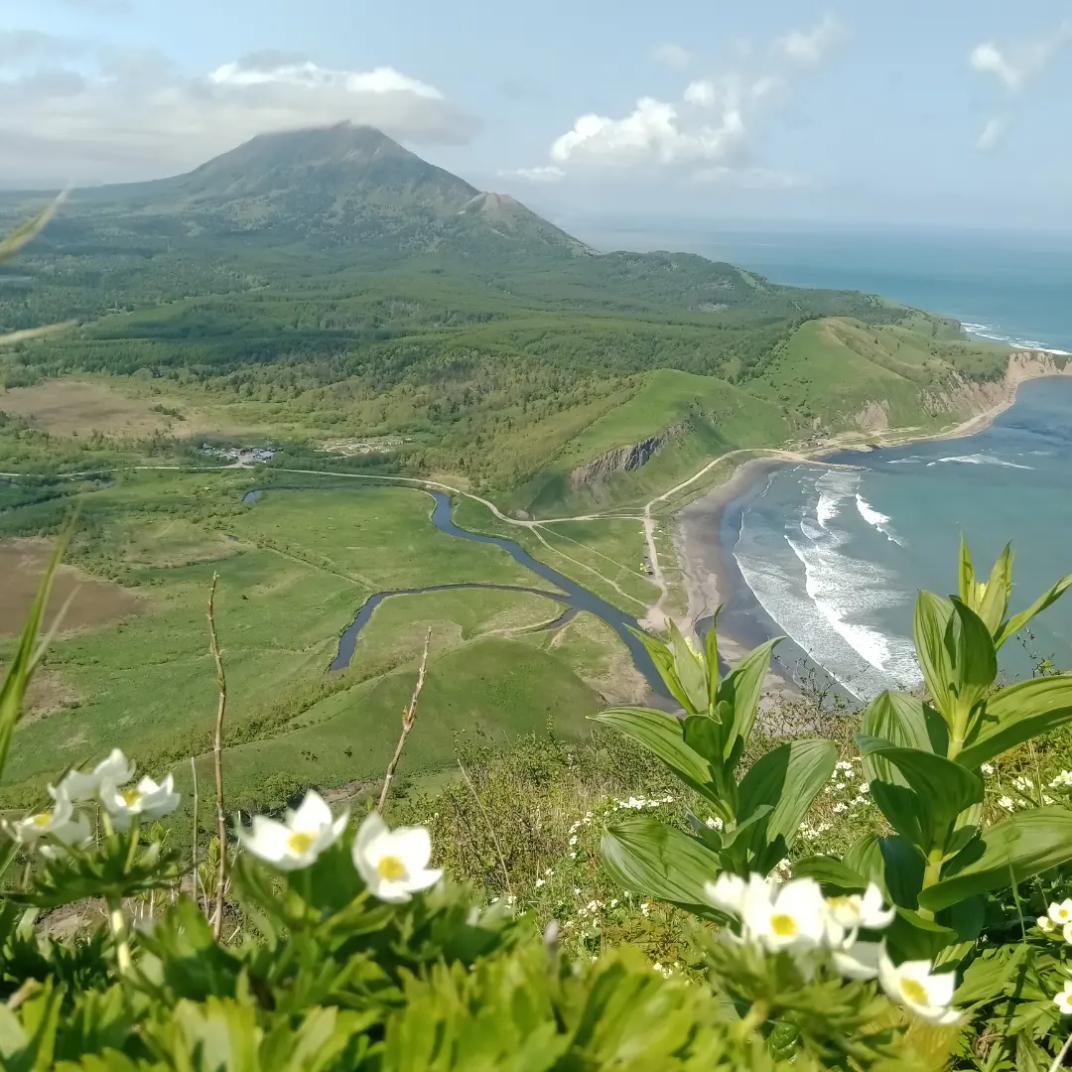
(146, 800)
(987, 768)
(1046, 925)
(913, 984)
(792, 917)
(843, 764)
(32, 828)
(713, 823)
(296, 842)
(1061, 912)
(730, 892)
(854, 911)
(394, 863)
(78, 785)
(1062, 780)
(539, 882)
(1006, 803)
(859, 960)
(1063, 1000)
(1066, 933)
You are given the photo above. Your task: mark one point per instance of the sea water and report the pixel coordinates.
(836, 556)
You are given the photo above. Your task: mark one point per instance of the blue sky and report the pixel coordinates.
(912, 113)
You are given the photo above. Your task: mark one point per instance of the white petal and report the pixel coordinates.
(312, 813)
(421, 880)
(74, 831)
(872, 915)
(413, 846)
(371, 828)
(726, 893)
(116, 768)
(267, 839)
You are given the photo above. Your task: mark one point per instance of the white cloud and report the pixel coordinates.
(711, 128)
(652, 132)
(80, 115)
(1015, 65)
(814, 46)
(673, 56)
(992, 134)
(549, 173)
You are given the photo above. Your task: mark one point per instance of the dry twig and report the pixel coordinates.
(193, 847)
(217, 760)
(491, 829)
(409, 716)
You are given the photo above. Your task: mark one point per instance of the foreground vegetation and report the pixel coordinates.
(316, 943)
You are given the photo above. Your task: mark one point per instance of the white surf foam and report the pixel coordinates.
(980, 459)
(834, 488)
(991, 334)
(877, 520)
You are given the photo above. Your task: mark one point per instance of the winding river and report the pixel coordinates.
(570, 594)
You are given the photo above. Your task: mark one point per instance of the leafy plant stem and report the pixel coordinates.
(217, 761)
(756, 1015)
(120, 933)
(1059, 1060)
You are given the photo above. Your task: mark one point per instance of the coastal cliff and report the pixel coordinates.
(621, 459)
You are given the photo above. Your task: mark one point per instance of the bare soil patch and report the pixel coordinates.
(93, 602)
(80, 407)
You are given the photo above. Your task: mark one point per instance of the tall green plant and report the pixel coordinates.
(926, 759)
(754, 818)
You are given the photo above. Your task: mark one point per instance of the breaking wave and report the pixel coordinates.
(980, 459)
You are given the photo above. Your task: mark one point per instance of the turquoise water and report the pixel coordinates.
(1008, 287)
(835, 557)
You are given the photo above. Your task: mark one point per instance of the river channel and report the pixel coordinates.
(570, 593)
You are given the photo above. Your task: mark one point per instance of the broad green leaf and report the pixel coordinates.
(1023, 845)
(929, 626)
(975, 659)
(943, 789)
(650, 858)
(865, 858)
(690, 671)
(991, 973)
(742, 689)
(663, 659)
(901, 808)
(663, 736)
(913, 936)
(901, 720)
(993, 600)
(829, 871)
(1017, 714)
(788, 778)
(1018, 621)
(902, 868)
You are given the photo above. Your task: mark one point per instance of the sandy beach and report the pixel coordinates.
(709, 572)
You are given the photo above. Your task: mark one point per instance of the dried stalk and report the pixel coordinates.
(193, 849)
(409, 716)
(217, 760)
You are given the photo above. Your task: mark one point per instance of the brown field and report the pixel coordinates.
(93, 602)
(81, 407)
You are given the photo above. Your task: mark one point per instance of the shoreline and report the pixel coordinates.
(709, 573)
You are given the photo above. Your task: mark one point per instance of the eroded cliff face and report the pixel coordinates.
(971, 397)
(621, 459)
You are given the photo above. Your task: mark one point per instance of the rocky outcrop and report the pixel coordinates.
(621, 459)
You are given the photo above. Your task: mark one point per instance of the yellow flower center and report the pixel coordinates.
(43, 819)
(784, 926)
(914, 991)
(1063, 913)
(300, 841)
(130, 797)
(391, 868)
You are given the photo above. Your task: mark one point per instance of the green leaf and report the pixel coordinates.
(1017, 714)
(865, 858)
(993, 601)
(829, 871)
(967, 574)
(653, 859)
(741, 691)
(943, 789)
(901, 720)
(1008, 852)
(1018, 621)
(787, 778)
(902, 868)
(664, 736)
(929, 624)
(28, 655)
(690, 671)
(974, 656)
(713, 675)
(663, 659)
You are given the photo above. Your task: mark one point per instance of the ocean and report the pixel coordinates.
(1001, 286)
(835, 557)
